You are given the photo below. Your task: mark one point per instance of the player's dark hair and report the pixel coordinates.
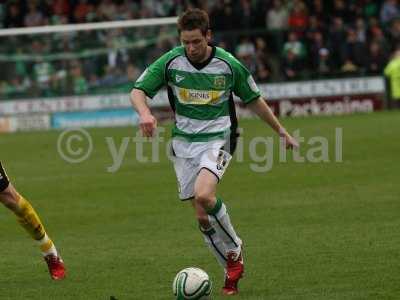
(193, 19)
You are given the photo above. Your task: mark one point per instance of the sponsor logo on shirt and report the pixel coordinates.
(200, 97)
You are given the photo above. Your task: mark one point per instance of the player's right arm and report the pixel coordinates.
(147, 122)
(147, 85)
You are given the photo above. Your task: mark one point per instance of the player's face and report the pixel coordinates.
(195, 44)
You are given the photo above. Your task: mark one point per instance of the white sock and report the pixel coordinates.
(220, 221)
(46, 246)
(215, 244)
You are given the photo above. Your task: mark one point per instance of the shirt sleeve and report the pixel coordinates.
(244, 85)
(153, 77)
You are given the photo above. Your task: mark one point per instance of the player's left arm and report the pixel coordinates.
(262, 109)
(246, 89)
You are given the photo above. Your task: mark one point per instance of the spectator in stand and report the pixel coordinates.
(260, 9)
(6, 89)
(324, 64)
(64, 42)
(216, 15)
(77, 82)
(2, 14)
(82, 10)
(34, 17)
(291, 66)
(245, 48)
(61, 7)
(157, 51)
(354, 50)
(132, 73)
(318, 9)
(58, 81)
(315, 26)
(125, 11)
(244, 14)
(263, 66)
(17, 86)
(93, 81)
(354, 10)
(277, 20)
(361, 30)
(41, 70)
(349, 68)
(340, 10)
(42, 74)
(373, 24)
(246, 53)
(316, 44)
(14, 16)
(337, 35)
(117, 55)
(128, 78)
(325, 29)
(111, 77)
(108, 9)
(46, 8)
(264, 72)
(295, 46)
(376, 60)
(395, 32)
(298, 17)
(166, 8)
(378, 36)
(21, 66)
(389, 11)
(261, 50)
(217, 22)
(146, 12)
(370, 9)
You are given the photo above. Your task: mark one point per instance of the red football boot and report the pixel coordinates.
(234, 271)
(56, 266)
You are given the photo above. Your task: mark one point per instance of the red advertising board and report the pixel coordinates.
(319, 106)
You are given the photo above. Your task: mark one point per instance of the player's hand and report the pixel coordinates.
(148, 125)
(288, 140)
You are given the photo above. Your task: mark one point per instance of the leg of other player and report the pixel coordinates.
(30, 221)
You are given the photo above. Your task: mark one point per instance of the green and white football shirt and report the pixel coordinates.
(200, 94)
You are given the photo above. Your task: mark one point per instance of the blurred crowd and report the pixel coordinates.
(313, 39)
(276, 39)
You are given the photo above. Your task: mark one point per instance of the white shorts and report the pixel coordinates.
(211, 158)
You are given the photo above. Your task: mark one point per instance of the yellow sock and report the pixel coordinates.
(29, 220)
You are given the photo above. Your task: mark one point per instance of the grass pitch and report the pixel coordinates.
(328, 230)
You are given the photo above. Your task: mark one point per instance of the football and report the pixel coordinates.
(192, 283)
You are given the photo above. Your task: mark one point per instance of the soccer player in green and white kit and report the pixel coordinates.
(200, 79)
